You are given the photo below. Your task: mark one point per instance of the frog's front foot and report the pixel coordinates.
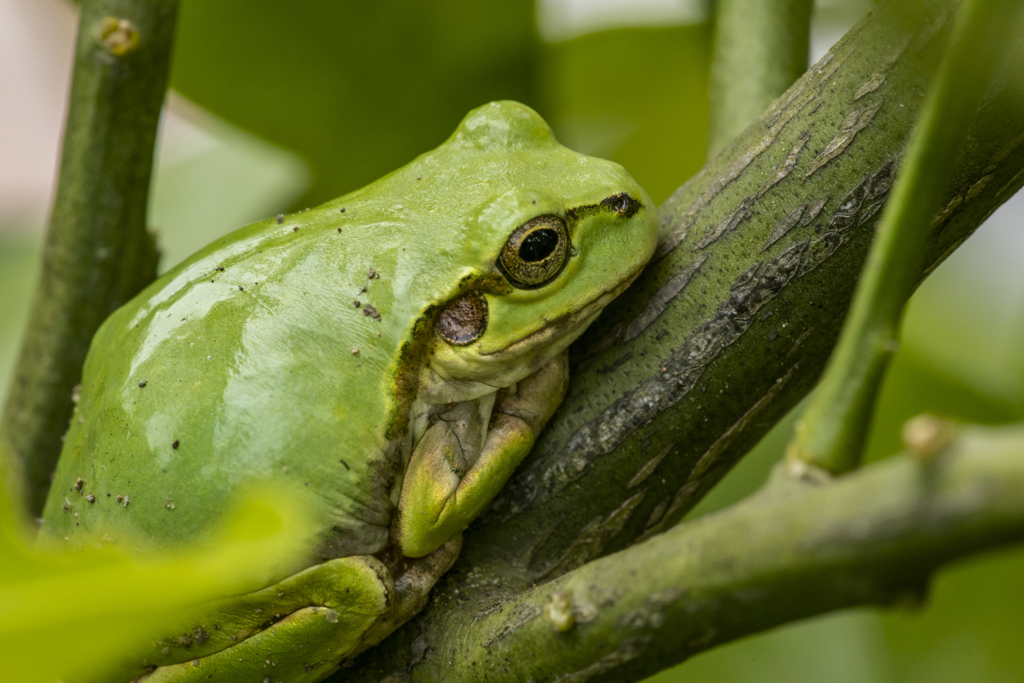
(465, 457)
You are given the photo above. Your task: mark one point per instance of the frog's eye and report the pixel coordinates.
(536, 252)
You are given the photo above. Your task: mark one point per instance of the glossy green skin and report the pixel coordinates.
(258, 365)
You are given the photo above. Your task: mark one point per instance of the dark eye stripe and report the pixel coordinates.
(621, 204)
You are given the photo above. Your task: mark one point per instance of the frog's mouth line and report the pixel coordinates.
(567, 321)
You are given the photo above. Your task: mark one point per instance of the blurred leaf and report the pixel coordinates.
(356, 88)
(19, 266)
(637, 96)
(969, 630)
(837, 648)
(966, 317)
(215, 178)
(65, 613)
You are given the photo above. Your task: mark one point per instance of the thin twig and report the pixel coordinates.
(831, 433)
(761, 47)
(97, 253)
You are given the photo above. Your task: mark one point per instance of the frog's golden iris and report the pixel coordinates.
(535, 253)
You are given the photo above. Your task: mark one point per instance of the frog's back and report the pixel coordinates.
(249, 361)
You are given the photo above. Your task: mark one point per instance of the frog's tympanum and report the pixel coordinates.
(388, 358)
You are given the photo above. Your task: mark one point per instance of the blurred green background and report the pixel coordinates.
(283, 105)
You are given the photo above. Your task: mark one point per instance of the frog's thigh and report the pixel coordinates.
(346, 596)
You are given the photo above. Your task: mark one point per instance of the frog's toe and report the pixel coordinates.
(304, 647)
(341, 600)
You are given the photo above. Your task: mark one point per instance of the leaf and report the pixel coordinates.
(637, 96)
(357, 88)
(65, 614)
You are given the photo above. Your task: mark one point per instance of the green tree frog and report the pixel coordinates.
(388, 357)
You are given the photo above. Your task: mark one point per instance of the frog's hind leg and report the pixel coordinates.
(343, 599)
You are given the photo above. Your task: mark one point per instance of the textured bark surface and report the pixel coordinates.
(97, 253)
(724, 333)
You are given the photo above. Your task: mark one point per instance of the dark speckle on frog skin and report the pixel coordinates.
(356, 303)
(280, 218)
(342, 210)
(143, 383)
(176, 444)
(241, 288)
(370, 311)
(345, 464)
(119, 498)
(78, 484)
(91, 498)
(295, 229)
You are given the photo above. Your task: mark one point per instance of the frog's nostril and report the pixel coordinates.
(622, 204)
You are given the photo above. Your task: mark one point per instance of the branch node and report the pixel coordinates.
(799, 468)
(558, 612)
(116, 36)
(926, 436)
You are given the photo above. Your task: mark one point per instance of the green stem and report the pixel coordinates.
(761, 48)
(832, 431)
(97, 253)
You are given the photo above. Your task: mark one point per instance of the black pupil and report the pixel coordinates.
(538, 245)
(621, 204)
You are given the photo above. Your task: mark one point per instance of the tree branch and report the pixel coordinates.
(729, 327)
(97, 254)
(790, 551)
(760, 48)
